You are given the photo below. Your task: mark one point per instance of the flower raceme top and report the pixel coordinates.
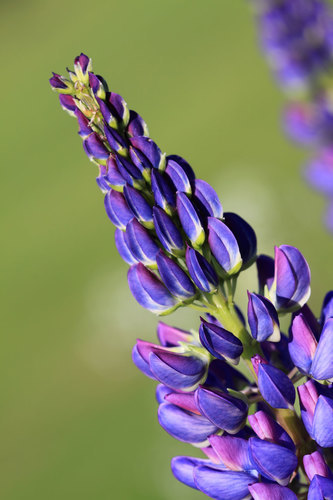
(297, 38)
(184, 251)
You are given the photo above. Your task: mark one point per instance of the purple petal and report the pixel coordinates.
(190, 220)
(233, 451)
(220, 342)
(207, 199)
(201, 272)
(224, 246)
(177, 370)
(95, 148)
(321, 488)
(180, 173)
(262, 491)
(122, 247)
(263, 319)
(303, 344)
(322, 429)
(167, 232)
(140, 243)
(174, 278)
(268, 429)
(150, 150)
(117, 209)
(322, 366)
(275, 386)
(136, 125)
(245, 237)
(223, 485)
(315, 464)
(169, 336)
(183, 469)
(138, 204)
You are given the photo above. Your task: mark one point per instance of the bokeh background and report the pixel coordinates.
(78, 421)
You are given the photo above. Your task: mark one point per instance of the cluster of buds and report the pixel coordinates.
(228, 387)
(297, 38)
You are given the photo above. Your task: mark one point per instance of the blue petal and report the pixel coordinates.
(272, 460)
(180, 173)
(275, 386)
(201, 272)
(141, 363)
(327, 308)
(303, 344)
(122, 247)
(224, 246)
(163, 190)
(184, 425)
(174, 278)
(322, 366)
(176, 370)
(137, 203)
(245, 236)
(140, 243)
(322, 429)
(321, 488)
(183, 469)
(150, 150)
(207, 199)
(220, 342)
(223, 485)
(263, 318)
(225, 411)
(262, 491)
(233, 452)
(167, 232)
(117, 209)
(136, 125)
(190, 220)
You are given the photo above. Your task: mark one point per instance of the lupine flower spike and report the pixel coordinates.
(184, 251)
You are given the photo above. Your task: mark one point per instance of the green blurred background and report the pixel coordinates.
(78, 421)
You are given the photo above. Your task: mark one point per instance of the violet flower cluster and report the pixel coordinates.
(257, 402)
(297, 38)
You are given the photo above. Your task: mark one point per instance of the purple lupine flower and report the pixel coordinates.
(160, 209)
(290, 289)
(263, 319)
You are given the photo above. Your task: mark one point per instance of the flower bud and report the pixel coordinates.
(61, 84)
(308, 397)
(139, 206)
(273, 461)
(167, 232)
(265, 269)
(95, 149)
(226, 412)
(140, 244)
(263, 319)
(315, 464)
(303, 344)
(183, 469)
(184, 425)
(128, 171)
(268, 429)
(84, 128)
(190, 220)
(67, 103)
(119, 108)
(101, 179)
(98, 85)
(207, 200)
(220, 342)
(274, 385)
(174, 278)
(224, 246)
(82, 66)
(290, 289)
(113, 175)
(322, 365)
(150, 150)
(122, 247)
(163, 191)
(201, 272)
(136, 125)
(149, 291)
(117, 209)
(322, 430)
(180, 173)
(115, 140)
(245, 237)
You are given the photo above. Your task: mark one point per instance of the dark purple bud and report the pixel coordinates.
(167, 232)
(141, 363)
(268, 429)
(180, 173)
(136, 125)
(84, 128)
(207, 200)
(149, 291)
(226, 485)
(290, 289)
(106, 113)
(184, 425)
(224, 246)
(98, 85)
(178, 371)
(113, 175)
(118, 108)
(322, 429)
(150, 150)
(67, 103)
(122, 247)
(115, 140)
(263, 319)
(174, 278)
(139, 206)
(128, 171)
(95, 148)
(327, 309)
(140, 243)
(101, 179)
(322, 365)
(183, 469)
(315, 464)
(321, 488)
(273, 461)
(140, 160)
(275, 386)
(265, 269)
(201, 272)
(263, 491)
(308, 397)
(164, 193)
(82, 66)
(303, 344)
(245, 237)
(169, 336)
(225, 411)
(190, 220)
(232, 451)
(117, 209)
(61, 84)
(219, 342)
